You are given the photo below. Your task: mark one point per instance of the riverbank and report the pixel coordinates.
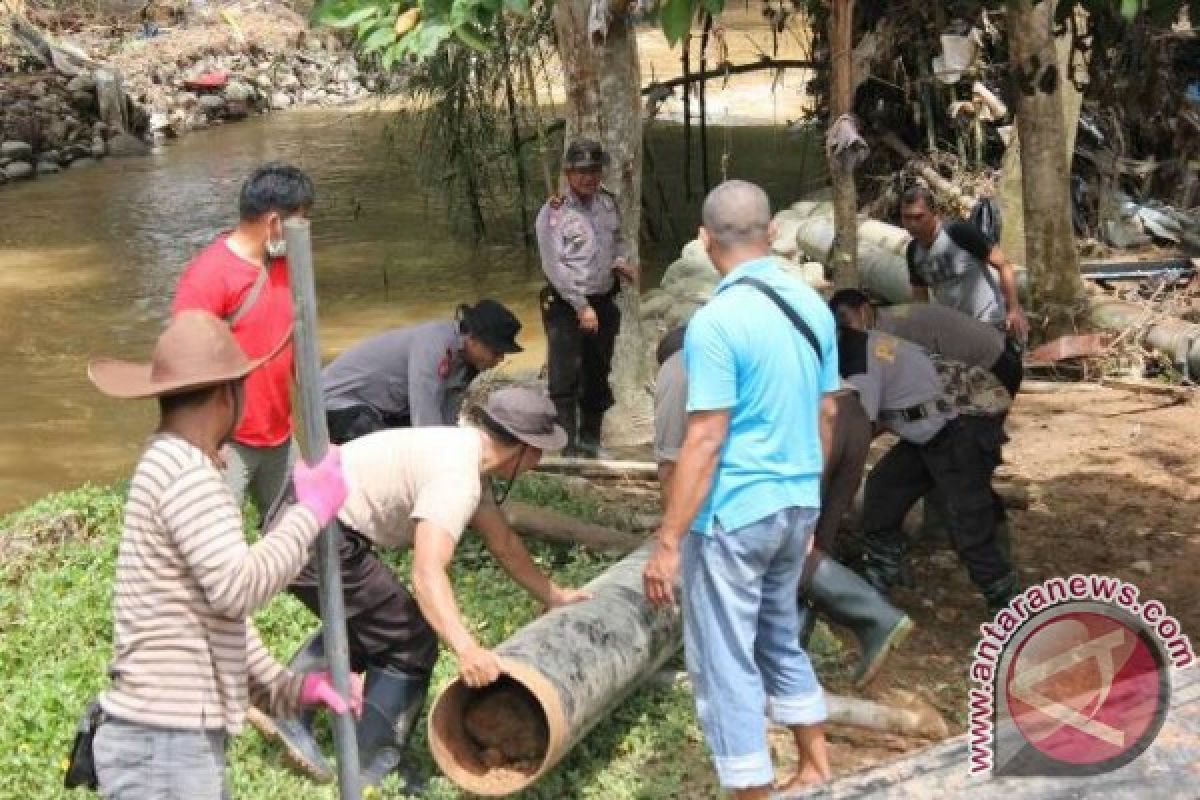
(144, 84)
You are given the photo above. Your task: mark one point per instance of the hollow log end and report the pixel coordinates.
(473, 762)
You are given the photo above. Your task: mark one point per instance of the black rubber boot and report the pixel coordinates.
(296, 733)
(1000, 593)
(591, 426)
(567, 413)
(849, 601)
(882, 563)
(391, 704)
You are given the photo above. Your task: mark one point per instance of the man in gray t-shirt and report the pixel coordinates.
(415, 376)
(960, 267)
(901, 392)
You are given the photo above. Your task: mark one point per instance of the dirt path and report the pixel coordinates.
(1112, 477)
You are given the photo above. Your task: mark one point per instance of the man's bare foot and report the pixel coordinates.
(806, 777)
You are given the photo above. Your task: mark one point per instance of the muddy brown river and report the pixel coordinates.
(88, 261)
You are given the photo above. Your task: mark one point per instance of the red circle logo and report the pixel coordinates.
(1087, 689)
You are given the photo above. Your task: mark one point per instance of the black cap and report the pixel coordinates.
(585, 154)
(493, 324)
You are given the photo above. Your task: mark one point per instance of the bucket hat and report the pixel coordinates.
(195, 350)
(493, 324)
(528, 415)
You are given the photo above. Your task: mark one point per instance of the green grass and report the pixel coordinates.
(56, 568)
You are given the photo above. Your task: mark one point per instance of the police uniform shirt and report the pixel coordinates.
(670, 409)
(892, 375)
(955, 270)
(943, 331)
(418, 372)
(578, 244)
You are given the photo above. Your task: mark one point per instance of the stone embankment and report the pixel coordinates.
(144, 85)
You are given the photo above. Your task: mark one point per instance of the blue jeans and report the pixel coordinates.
(140, 762)
(741, 636)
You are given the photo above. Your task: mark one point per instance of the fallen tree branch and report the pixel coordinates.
(553, 526)
(926, 171)
(918, 719)
(727, 69)
(642, 470)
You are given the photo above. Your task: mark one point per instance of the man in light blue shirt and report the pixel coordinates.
(742, 508)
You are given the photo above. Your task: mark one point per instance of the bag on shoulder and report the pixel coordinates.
(81, 765)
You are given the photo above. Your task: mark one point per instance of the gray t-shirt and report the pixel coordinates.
(670, 409)
(955, 270)
(896, 375)
(944, 331)
(418, 372)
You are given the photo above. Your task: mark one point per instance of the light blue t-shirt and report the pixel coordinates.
(743, 354)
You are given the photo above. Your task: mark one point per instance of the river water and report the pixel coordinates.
(88, 261)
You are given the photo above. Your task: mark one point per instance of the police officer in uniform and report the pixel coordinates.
(941, 330)
(583, 256)
(415, 376)
(901, 392)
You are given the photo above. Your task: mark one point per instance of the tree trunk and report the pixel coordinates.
(1012, 208)
(1055, 287)
(603, 101)
(845, 198)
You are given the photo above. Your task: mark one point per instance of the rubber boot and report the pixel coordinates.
(849, 601)
(1000, 593)
(296, 733)
(391, 704)
(567, 413)
(591, 425)
(882, 563)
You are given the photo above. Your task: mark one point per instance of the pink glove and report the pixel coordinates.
(321, 489)
(317, 690)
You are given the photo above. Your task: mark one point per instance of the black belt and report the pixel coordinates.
(915, 413)
(611, 293)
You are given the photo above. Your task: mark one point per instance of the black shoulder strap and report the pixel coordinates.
(796, 319)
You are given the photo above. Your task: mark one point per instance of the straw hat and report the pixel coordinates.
(196, 350)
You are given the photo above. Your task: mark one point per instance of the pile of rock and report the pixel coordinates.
(255, 82)
(48, 122)
(213, 70)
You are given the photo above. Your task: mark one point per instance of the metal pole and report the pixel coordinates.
(316, 438)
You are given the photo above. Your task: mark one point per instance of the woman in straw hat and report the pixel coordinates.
(419, 488)
(187, 662)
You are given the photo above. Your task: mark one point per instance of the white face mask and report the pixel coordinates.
(276, 248)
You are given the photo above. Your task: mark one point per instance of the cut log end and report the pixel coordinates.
(493, 741)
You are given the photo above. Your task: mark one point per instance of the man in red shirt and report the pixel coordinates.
(242, 277)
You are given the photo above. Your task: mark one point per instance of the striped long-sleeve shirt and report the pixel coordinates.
(186, 655)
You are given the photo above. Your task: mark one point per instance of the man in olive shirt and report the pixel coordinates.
(583, 254)
(901, 391)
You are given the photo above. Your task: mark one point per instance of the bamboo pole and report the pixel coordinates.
(316, 440)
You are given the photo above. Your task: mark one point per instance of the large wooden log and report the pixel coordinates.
(561, 674)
